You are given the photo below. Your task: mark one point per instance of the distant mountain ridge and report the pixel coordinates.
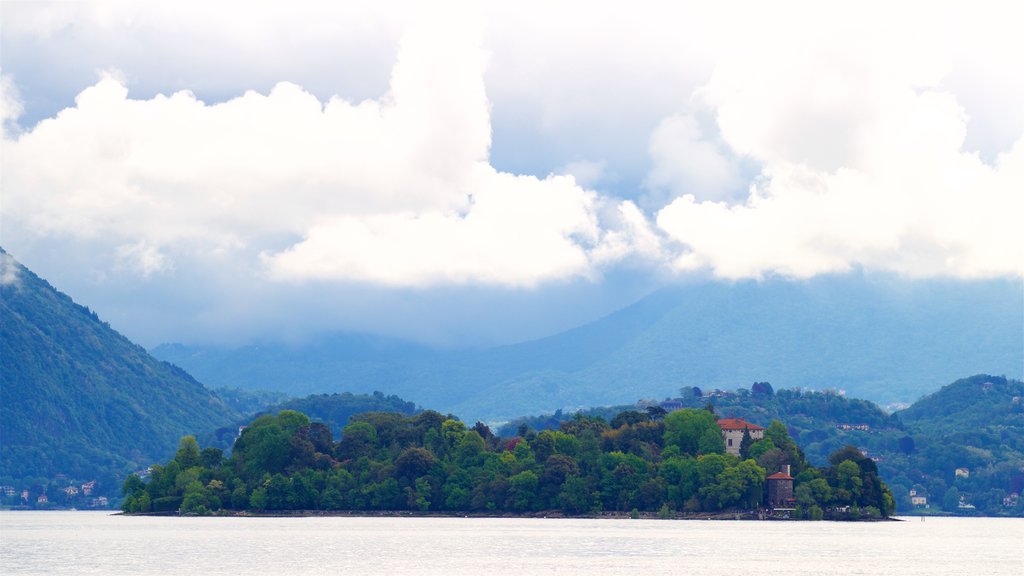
(881, 339)
(78, 398)
(334, 410)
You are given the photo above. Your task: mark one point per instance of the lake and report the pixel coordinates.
(99, 543)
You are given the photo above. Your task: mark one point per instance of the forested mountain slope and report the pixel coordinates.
(333, 410)
(78, 398)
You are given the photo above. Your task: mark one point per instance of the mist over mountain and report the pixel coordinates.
(883, 339)
(78, 398)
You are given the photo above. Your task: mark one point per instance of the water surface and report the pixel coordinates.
(98, 543)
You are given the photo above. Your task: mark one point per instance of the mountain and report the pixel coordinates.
(968, 444)
(334, 410)
(981, 404)
(80, 401)
(882, 339)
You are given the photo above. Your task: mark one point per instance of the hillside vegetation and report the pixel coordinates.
(333, 410)
(975, 424)
(80, 401)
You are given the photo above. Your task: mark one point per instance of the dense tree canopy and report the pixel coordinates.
(432, 462)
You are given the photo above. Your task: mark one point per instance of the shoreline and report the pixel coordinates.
(550, 514)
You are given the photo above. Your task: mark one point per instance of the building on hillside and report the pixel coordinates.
(87, 487)
(780, 490)
(71, 491)
(732, 433)
(962, 473)
(671, 405)
(8, 491)
(918, 500)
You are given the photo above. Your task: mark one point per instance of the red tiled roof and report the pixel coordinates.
(737, 424)
(780, 476)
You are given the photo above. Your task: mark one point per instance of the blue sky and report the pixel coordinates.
(477, 174)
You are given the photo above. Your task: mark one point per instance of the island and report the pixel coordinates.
(654, 463)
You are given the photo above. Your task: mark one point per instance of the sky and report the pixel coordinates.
(470, 173)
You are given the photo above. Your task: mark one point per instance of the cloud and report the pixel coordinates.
(10, 105)
(586, 173)
(315, 148)
(516, 231)
(143, 259)
(9, 272)
(685, 161)
(862, 162)
(396, 190)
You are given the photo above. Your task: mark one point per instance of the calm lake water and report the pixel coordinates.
(98, 543)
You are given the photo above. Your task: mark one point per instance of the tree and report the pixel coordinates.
(557, 468)
(951, 500)
(414, 462)
(692, 431)
(188, 455)
(523, 490)
(132, 485)
(575, 497)
(419, 494)
(745, 443)
(906, 445)
(357, 439)
(239, 498)
(848, 482)
(656, 412)
(629, 418)
(211, 457)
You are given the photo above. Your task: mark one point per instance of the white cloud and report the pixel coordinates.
(395, 191)
(143, 259)
(685, 161)
(862, 140)
(863, 163)
(10, 105)
(9, 275)
(586, 173)
(517, 231)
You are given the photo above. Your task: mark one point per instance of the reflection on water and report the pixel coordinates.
(98, 543)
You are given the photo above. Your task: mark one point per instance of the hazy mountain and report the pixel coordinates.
(79, 399)
(331, 409)
(884, 339)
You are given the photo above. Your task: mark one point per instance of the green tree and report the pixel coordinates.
(188, 455)
(523, 491)
(414, 462)
(575, 496)
(239, 498)
(951, 500)
(694, 432)
(848, 481)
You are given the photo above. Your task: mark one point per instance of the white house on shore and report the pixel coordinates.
(732, 433)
